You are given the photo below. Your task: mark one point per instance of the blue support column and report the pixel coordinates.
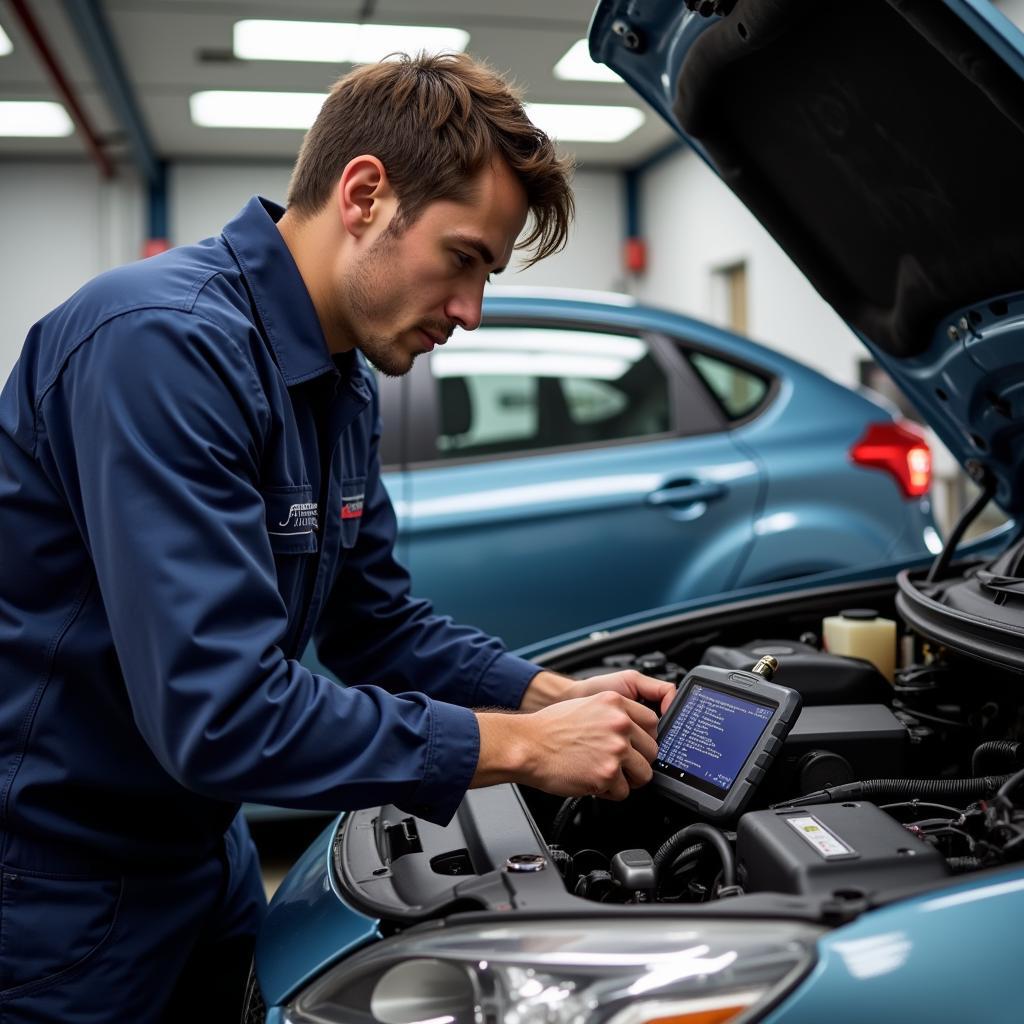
(632, 179)
(159, 221)
(93, 31)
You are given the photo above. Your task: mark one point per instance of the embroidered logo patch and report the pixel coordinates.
(301, 518)
(352, 506)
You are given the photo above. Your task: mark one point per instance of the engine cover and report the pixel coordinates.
(819, 677)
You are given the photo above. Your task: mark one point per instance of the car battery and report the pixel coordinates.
(848, 849)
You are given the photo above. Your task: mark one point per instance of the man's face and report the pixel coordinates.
(412, 287)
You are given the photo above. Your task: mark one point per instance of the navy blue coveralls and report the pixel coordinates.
(189, 490)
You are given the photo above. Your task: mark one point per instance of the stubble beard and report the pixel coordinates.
(370, 299)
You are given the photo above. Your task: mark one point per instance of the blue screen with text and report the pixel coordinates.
(712, 735)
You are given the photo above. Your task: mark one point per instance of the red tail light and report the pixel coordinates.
(901, 451)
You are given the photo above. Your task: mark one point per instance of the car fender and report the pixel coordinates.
(308, 927)
(812, 536)
(950, 955)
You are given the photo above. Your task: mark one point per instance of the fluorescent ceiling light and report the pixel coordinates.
(338, 42)
(576, 66)
(5, 43)
(241, 109)
(570, 122)
(236, 109)
(37, 119)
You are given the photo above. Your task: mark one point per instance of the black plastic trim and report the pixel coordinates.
(996, 643)
(688, 348)
(490, 826)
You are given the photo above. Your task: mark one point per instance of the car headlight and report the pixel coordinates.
(607, 971)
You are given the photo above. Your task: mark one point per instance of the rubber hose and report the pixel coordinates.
(975, 788)
(993, 751)
(877, 790)
(1012, 782)
(565, 814)
(680, 858)
(685, 836)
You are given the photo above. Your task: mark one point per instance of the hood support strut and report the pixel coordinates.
(988, 484)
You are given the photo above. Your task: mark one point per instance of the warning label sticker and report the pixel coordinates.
(819, 837)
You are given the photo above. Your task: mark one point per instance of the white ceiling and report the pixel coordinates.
(172, 48)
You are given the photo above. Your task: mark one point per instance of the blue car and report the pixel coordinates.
(578, 458)
(843, 842)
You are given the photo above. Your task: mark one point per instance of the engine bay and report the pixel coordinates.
(879, 786)
(894, 778)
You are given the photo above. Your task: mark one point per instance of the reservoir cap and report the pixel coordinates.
(859, 614)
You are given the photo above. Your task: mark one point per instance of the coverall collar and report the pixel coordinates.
(278, 292)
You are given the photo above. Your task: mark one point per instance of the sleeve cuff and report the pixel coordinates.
(453, 752)
(504, 682)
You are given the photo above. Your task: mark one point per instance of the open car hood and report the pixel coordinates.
(881, 143)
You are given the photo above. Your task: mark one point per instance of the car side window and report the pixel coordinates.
(739, 391)
(503, 390)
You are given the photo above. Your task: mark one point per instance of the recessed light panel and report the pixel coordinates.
(5, 43)
(570, 122)
(338, 42)
(36, 119)
(298, 110)
(237, 109)
(576, 66)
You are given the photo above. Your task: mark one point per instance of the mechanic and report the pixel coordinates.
(190, 490)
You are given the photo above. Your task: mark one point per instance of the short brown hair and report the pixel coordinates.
(435, 122)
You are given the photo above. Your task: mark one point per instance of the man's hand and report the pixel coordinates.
(630, 684)
(600, 745)
(548, 687)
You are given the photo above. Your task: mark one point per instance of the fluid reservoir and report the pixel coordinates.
(862, 633)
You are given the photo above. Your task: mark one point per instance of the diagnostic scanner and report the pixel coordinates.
(720, 735)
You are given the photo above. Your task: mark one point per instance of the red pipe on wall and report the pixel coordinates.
(60, 81)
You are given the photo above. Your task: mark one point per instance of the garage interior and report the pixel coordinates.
(131, 154)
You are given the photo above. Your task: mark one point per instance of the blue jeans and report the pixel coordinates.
(83, 944)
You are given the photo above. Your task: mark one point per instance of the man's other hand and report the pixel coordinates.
(601, 745)
(548, 687)
(630, 684)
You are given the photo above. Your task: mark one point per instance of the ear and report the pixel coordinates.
(364, 195)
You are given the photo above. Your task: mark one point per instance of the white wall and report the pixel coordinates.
(593, 257)
(694, 225)
(204, 197)
(61, 226)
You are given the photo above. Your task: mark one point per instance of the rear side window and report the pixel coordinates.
(503, 390)
(739, 391)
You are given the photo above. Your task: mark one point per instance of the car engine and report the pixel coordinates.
(879, 787)
(897, 775)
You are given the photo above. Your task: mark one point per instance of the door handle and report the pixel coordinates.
(686, 493)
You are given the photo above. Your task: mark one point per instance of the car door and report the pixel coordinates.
(562, 475)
